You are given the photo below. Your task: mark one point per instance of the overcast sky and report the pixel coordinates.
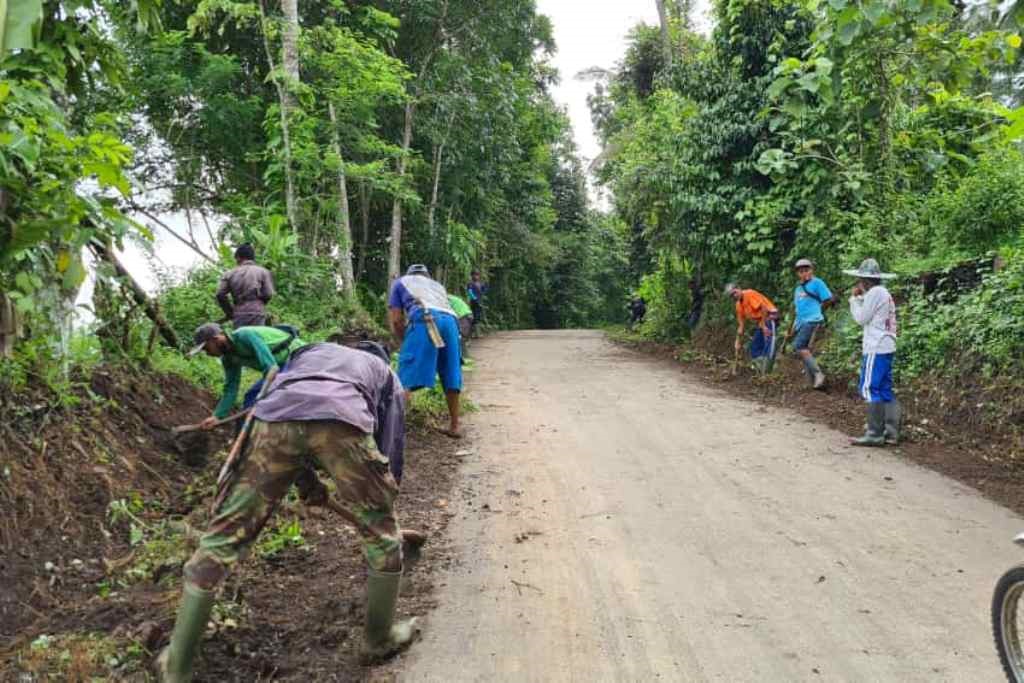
(593, 33)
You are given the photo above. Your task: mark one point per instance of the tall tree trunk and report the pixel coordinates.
(395, 258)
(666, 40)
(364, 216)
(344, 221)
(290, 56)
(290, 40)
(432, 211)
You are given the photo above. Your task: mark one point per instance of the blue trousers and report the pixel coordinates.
(762, 346)
(876, 377)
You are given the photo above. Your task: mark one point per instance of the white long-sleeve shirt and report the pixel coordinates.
(875, 311)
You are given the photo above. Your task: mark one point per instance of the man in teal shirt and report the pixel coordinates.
(258, 348)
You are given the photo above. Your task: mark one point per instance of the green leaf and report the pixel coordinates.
(24, 282)
(849, 25)
(809, 82)
(25, 304)
(1015, 131)
(74, 276)
(778, 87)
(20, 25)
(873, 10)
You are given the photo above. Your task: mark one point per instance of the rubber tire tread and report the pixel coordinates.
(1006, 582)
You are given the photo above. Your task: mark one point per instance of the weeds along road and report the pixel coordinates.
(624, 523)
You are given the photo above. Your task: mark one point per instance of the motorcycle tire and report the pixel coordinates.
(1008, 623)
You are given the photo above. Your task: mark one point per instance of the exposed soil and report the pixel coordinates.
(969, 430)
(80, 600)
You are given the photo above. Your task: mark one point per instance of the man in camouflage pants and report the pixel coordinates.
(345, 410)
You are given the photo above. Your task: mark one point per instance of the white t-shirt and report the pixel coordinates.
(876, 313)
(410, 291)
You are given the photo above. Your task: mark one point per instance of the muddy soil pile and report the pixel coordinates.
(100, 506)
(969, 429)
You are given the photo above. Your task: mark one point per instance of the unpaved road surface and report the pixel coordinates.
(625, 523)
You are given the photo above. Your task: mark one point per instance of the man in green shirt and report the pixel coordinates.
(258, 348)
(465, 315)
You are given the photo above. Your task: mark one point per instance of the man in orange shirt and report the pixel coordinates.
(756, 307)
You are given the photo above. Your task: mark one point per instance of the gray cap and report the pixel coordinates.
(731, 287)
(204, 333)
(870, 270)
(417, 269)
(803, 263)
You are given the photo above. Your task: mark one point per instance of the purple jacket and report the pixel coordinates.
(331, 382)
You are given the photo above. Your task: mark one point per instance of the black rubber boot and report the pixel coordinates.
(875, 435)
(174, 665)
(893, 420)
(384, 638)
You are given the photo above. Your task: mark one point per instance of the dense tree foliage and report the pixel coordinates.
(345, 139)
(831, 130)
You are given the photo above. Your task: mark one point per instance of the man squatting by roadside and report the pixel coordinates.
(873, 308)
(245, 291)
(423, 322)
(810, 299)
(345, 409)
(756, 307)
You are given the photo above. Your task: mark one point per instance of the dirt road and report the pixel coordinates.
(623, 523)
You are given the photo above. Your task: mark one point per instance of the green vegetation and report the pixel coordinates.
(344, 143)
(835, 131)
(82, 657)
(286, 534)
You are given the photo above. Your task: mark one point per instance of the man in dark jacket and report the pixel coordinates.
(637, 311)
(344, 409)
(245, 291)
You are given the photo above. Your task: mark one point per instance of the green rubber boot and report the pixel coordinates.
(875, 435)
(174, 665)
(893, 419)
(383, 637)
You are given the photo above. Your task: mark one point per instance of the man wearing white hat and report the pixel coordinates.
(873, 308)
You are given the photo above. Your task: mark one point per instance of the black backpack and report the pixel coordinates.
(293, 334)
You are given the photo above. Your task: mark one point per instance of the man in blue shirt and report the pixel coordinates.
(810, 298)
(423, 322)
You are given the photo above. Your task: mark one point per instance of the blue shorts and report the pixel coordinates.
(254, 391)
(420, 362)
(804, 335)
(762, 346)
(876, 377)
